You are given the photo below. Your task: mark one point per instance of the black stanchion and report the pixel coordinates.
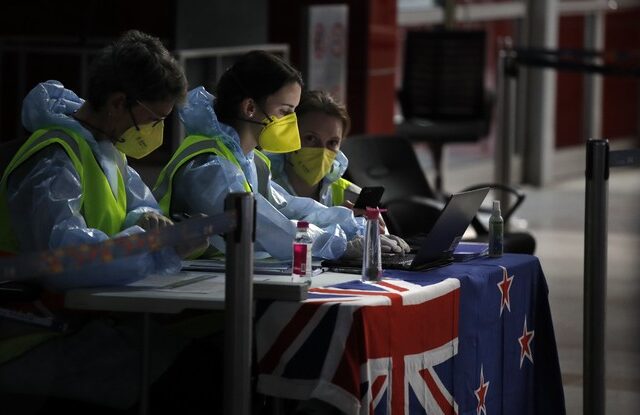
(595, 275)
(239, 306)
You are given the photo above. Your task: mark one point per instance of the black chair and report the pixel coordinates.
(443, 99)
(390, 161)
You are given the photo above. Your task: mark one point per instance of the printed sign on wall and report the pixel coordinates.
(327, 49)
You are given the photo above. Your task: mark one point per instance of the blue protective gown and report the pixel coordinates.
(44, 196)
(202, 184)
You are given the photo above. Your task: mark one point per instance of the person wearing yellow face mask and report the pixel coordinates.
(70, 182)
(253, 110)
(316, 169)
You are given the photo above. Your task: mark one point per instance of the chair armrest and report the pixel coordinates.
(517, 193)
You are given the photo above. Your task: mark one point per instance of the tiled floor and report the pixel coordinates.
(555, 215)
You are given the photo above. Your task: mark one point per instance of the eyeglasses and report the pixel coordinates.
(157, 119)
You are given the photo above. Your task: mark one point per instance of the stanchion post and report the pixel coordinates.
(595, 276)
(506, 112)
(239, 306)
(592, 103)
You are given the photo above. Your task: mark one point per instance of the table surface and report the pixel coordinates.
(175, 293)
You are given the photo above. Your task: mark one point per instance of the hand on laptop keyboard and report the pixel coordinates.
(393, 244)
(401, 242)
(389, 244)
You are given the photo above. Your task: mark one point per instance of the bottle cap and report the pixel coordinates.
(496, 205)
(302, 224)
(373, 213)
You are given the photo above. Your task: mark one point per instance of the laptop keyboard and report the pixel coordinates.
(397, 259)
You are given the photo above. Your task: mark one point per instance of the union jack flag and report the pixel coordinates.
(348, 345)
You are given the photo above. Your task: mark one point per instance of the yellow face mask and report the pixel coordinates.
(312, 163)
(280, 135)
(137, 142)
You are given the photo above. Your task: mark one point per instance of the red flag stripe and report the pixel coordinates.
(355, 292)
(443, 402)
(291, 330)
(392, 286)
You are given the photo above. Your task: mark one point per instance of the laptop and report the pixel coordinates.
(436, 249)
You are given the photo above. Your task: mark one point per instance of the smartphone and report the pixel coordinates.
(369, 197)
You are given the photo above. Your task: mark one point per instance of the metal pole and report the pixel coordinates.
(239, 306)
(595, 275)
(542, 24)
(506, 85)
(592, 106)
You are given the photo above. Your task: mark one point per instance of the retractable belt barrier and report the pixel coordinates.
(599, 161)
(75, 257)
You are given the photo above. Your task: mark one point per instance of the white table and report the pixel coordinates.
(172, 294)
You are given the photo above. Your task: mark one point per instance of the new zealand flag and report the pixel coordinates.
(470, 338)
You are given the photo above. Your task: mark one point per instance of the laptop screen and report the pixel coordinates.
(438, 246)
(450, 226)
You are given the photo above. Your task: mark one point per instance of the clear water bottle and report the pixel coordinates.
(496, 231)
(371, 257)
(302, 269)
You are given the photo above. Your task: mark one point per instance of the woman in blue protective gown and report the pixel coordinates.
(316, 169)
(254, 110)
(70, 184)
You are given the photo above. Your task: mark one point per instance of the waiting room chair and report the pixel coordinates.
(413, 207)
(443, 99)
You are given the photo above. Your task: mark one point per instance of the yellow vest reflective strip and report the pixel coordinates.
(191, 147)
(338, 189)
(100, 209)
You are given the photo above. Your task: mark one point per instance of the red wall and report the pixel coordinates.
(569, 97)
(620, 106)
(371, 55)
(620, 101)
(382, 50)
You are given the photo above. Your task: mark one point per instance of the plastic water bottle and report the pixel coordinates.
(496, 231)
(302, 269)
(371, 257)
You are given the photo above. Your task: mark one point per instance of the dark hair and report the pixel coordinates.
(138, 65)
(256, 74)
(322, 101)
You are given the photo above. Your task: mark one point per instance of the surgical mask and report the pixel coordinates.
(280, 135)
(312, 164)
(138, 141)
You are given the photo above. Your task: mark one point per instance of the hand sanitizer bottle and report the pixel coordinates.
(496, 231)
(371, 257)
